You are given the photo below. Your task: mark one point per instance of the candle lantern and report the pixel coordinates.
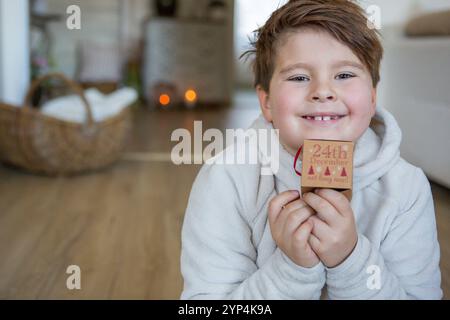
(164, 95)
(190, 98)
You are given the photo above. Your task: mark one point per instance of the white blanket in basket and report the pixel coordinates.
(71, 108)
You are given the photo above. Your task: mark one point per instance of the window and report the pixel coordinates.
(249, 15)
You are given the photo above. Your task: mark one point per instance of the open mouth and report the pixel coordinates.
(331, 117)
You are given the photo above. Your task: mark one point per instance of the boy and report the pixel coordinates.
(250, 236)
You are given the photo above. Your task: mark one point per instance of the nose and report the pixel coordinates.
(322, 93)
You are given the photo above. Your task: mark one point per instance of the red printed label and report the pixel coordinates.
(327, 164)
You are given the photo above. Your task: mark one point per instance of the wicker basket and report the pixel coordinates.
(43, 144)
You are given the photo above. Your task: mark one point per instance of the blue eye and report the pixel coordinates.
(299, 78)
(345, 76)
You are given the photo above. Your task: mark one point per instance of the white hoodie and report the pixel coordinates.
(228, 251)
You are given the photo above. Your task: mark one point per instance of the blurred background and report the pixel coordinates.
(109, 199)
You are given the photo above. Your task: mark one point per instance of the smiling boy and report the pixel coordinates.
(249, 236)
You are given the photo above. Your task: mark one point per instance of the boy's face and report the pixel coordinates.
(319, 90)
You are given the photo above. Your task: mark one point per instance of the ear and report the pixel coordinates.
(264, 103)
(374, 101)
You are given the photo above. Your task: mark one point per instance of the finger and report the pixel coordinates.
(277, 202)
(289, 208)
(295, 205)
(315, 243)
(320, 229)
(296, 218)
(302, 233)
(324, 209)
(336, 199)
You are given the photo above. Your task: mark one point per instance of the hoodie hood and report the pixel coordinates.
(376, 152)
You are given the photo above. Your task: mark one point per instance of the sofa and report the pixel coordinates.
(415, 87)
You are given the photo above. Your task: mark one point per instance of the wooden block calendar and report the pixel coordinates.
(327, 164)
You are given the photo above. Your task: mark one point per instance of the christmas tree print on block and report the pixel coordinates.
(327, 164)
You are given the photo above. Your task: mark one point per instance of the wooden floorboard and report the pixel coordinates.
(121, 225)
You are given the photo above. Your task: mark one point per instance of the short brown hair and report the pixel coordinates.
(342, 19)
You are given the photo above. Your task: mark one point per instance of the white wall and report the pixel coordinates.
(14, 51)
(398, 11)
(109, 21)
(99, 23)
(103, 21)
(250, 14)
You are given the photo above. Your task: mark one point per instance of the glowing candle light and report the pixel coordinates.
(164, 99)
(190, 97)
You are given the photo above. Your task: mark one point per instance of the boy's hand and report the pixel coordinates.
(288, 218)
(334, 234)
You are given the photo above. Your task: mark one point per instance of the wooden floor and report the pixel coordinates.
(120, 225)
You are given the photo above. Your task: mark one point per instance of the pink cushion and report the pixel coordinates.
(100, 63)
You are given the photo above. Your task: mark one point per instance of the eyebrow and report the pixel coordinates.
(342, 63)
